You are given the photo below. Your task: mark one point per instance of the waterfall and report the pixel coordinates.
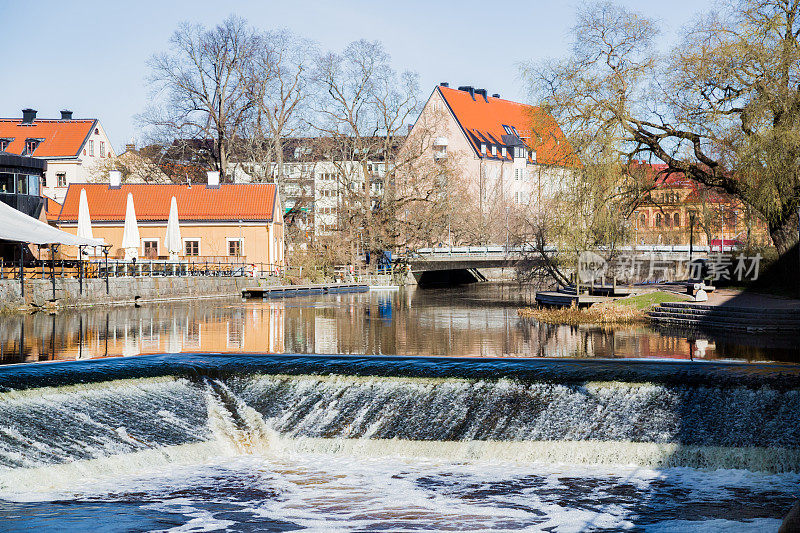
(129, 425)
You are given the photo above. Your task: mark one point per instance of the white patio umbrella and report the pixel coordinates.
(172, 241)
(84, 220)
(130, 234)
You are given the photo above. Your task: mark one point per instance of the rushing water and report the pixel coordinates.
(569, 434)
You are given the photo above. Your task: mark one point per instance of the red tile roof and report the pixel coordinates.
(483, 121)
(62, 138)
(52, 209)
(233, 202)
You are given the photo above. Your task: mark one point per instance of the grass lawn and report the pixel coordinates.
(644, 301)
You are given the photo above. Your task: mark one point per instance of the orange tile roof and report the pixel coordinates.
(52, 209)
(230, 202)
(483, 121)
(62, 138)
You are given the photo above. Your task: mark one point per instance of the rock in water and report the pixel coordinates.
(791, 523)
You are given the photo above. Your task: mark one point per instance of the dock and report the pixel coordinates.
(289, 291)
(568, 296)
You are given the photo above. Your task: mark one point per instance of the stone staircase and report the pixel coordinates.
(750, 319)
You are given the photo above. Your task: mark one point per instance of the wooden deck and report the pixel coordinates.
(567, 296)
(288, 291)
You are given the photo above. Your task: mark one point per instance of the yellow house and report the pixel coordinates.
(227, 222)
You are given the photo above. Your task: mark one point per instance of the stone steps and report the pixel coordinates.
(690, 315)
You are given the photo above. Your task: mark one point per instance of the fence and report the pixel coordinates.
(88, 269)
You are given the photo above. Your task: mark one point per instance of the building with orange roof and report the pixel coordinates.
(239, 222)
(511, 153)
(678, 210)
(71, 147)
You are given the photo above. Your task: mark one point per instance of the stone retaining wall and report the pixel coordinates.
(120, 290)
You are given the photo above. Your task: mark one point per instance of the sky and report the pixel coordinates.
(91, 57)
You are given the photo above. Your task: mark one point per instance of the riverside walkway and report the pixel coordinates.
(728, 309)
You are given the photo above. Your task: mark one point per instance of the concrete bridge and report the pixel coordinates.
(467, 264)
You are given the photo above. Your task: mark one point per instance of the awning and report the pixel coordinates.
(18, 227)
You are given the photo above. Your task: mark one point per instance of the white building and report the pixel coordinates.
(71, 147)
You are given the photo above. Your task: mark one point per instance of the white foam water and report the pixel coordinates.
(350, 453)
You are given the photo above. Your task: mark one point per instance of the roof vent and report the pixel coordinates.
(444, 84)
(114, 179)
(468, 88)
(66, 114)
(496, 95)
(28, 116)
(482, 92)
(213, 179)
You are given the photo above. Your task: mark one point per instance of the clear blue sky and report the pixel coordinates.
(90, 56)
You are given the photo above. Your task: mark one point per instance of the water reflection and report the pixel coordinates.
(476, 321)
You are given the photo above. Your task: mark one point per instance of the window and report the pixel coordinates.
(91, 148)
(4, 144)
(676, 220)
(150, 248)
(30, 146)
(235, 247)
(483, 148)
(192, 247)
(102, 149)
(61, 179)
(33, 184)
(7, 183)
(658, 220)
(503, 152)
(494, 150)
(643, 221)
(511, 130)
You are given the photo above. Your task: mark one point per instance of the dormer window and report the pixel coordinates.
(31, 145)
(503, 152)
(4, 144)
(511, 130)
(483, 149)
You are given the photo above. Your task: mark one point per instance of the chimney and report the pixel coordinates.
(496, 95)
(444, 84)
(28, 116)
(482, 92)
(468, 88)
(114, 179)
(213, 179)
(66, 114)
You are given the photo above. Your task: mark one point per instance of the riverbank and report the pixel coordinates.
(39, 294)
(630, 310)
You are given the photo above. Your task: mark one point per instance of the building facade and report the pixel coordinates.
(71, 147)
(510, 153)
(228, 222)
(678, 210)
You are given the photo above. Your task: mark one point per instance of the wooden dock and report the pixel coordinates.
(288, 291)
(567, 296)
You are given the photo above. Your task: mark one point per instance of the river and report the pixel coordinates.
(442, 410)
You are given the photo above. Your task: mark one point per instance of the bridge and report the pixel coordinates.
(463, 264)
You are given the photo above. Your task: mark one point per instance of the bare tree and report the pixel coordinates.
(363, 107)
(201, 101)
(277, 82)
(723, 107)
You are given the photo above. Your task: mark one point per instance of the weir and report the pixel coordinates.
(81, 417)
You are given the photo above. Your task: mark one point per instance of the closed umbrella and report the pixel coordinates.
(172, 241)
(84, 220)
(130, 234)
